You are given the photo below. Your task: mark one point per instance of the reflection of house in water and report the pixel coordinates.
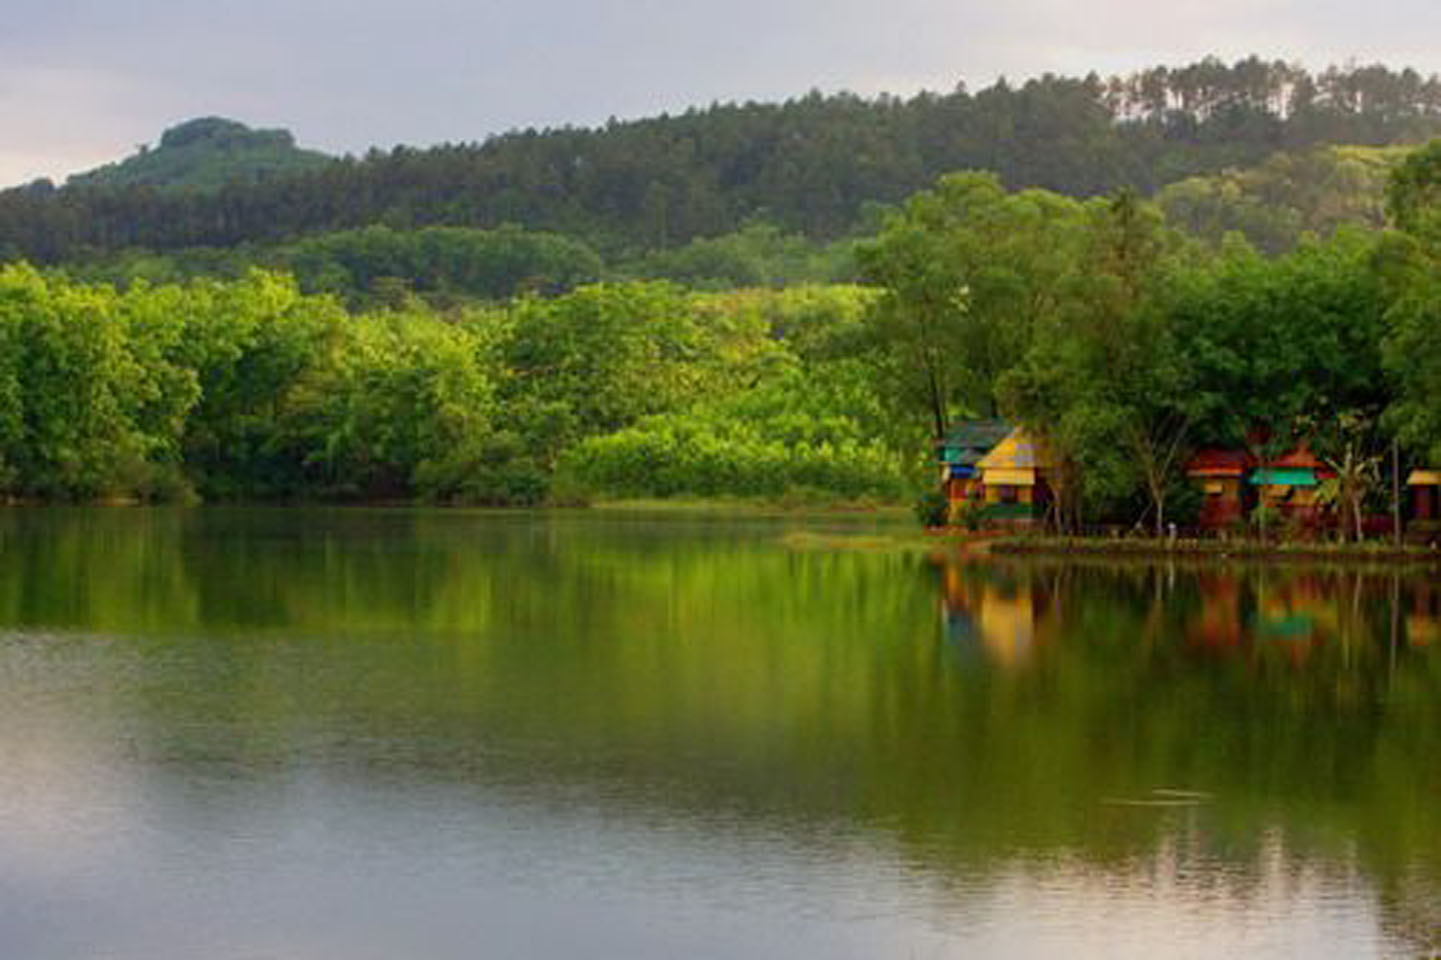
(1423, 618)
(1291, 614)
(1220, 624)
(984, 610)
(1296, 613)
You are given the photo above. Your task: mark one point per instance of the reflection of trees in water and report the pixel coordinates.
(699, 670)
(1299, 697)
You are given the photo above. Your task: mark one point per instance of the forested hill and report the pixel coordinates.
(815, 165)
(206, 154)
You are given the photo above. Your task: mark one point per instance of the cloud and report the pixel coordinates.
(58, 120)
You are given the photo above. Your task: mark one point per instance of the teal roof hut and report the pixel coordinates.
(966, 443)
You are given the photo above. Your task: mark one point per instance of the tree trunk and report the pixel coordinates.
(1396, 492)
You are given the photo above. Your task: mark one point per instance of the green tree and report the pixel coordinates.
(967, 272)
(1410, 262)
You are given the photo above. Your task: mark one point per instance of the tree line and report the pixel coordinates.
(1121, 340)
(815, 166)
(1273, 205)
(447, 267)
(252, 390)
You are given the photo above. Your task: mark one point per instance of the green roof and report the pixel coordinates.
(1284, 477)
(970, 440)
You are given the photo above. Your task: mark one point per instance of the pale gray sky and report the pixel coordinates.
(84, 82)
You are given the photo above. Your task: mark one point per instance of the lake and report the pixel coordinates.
(240, 733)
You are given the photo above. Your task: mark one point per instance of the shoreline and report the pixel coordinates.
(1212, 550)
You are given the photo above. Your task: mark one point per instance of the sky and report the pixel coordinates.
(84, 82)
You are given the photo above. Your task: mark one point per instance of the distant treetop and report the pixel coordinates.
(206, 154)
(223, 133)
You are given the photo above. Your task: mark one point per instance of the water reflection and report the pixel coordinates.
(1297, 706)
(638, 731)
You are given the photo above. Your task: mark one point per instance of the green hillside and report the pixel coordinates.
(206, 154)
(817, 166)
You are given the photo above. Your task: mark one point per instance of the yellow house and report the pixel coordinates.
(1014, 477)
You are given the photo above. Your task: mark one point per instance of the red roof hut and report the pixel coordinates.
(1221, 475)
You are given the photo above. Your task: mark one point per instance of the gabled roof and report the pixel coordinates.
(1424, 478)
(1213, 462)
(1299, 458)
(970, 440)
(1017, 452)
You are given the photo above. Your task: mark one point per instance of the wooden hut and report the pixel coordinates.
(1221, 477)
(961, 450)
(1425, 487)
(1290, 485)
(1424, 525)
(1015, 478)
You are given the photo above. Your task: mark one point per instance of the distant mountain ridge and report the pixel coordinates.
(206, 154)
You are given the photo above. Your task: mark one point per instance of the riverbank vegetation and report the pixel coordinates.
(252, 390)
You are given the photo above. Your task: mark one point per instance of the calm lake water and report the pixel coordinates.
(421, 734)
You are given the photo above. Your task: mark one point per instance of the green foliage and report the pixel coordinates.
(378, 266)
(932, 509)
(93, 397)
(757, 255)
(1286, 343)
(1413, 196)
(207, 154)
(967, 272)
(814, 166)
(1289, 195)
(1116, 342)
(789, 431)
(604, 356)
(1410, 263)
(439, 263)
(394, 406)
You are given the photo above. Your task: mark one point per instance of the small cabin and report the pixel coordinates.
(961, 450)
(1221, 477)
(1425, 487)
(1290, 484)
(1015, 478)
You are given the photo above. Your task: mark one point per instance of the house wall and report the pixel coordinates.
(1224, 501)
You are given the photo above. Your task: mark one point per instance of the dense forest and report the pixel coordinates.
(1121, 340)
(1273, 205)
(817, 166)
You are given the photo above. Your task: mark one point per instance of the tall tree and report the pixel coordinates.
(967, 271)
